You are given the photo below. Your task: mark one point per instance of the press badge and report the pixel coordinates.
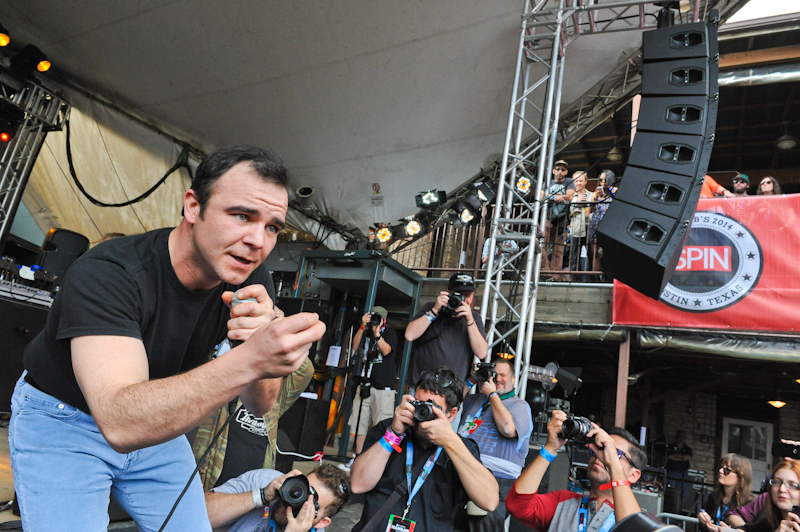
(398, 524)
(471, 424)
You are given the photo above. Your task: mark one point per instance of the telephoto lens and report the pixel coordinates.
(576, 428)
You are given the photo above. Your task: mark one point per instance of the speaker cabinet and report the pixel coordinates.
(61, 247)
(643, 231)
(19, 323)
(301, 430)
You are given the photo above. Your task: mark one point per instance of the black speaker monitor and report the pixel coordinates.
(643, 231)
(61, 247)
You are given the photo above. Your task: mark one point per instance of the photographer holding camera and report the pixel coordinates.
(374, 399)
(615, 464)
(500, 423)
(416, 471)
(285, 503)
(447, 332)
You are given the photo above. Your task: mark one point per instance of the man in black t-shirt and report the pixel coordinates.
(374, 399)
(454, 471)
(559, 195)
(447, 337)
(118, 375)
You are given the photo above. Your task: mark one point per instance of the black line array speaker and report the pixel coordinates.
(643, 231)
(61, 247)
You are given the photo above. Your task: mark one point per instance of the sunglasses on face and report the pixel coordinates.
(441, 380)
(726, 470)
(767, 182)
(739, 181)
(620, 454)
(790, 485)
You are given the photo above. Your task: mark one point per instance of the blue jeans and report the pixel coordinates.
(64, 471)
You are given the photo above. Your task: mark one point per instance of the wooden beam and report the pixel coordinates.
(622, 381)
(780, 54)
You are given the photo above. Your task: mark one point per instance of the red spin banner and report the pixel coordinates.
(738, 270)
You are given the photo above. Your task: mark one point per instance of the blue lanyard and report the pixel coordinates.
(721, 514)
(426, 470)
(583, 518)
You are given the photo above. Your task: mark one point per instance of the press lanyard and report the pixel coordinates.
(720, 514)
(583, 518)
(426, 470)
(479, 413)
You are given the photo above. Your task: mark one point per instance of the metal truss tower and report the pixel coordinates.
(42, 111)
(536, 131)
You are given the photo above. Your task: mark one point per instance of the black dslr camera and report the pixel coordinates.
(295, 492)
(454, 301)
(375, 319)
(423, 410)
(576, 428)
(485, 372)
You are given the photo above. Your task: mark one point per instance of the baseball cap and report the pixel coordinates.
(561, 162)
(380, 310)
(745, 177)
(461, 282)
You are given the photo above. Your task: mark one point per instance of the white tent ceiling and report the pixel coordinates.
(407, 94)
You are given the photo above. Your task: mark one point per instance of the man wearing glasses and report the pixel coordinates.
(740, 185)
(615, 464)
(417, 474)
(244, 503)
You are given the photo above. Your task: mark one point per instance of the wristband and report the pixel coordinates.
(547, 455)
(470, 324)
(361, 328)
(386, 445)
(378, 339)
(393, 439)
(495, 393)
(258, 500)
(614, 484)
(470, 383)
(431, 317)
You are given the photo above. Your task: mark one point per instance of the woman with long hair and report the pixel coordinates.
(784, 493)
(731, 490)
(768, 186)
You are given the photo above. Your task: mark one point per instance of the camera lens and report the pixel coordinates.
(296, 493)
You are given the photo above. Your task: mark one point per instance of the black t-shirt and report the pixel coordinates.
(128, 287)
(247, 445)
(434, 507)
(444, 343)
(678, 465)
(384, 370)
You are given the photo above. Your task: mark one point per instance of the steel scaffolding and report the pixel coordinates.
(536, 131)
(42, 111)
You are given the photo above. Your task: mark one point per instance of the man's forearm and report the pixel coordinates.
(368, 468)
(155, 411)
(479, 483)
(476, 339)
(260, 396)
(417, 328)
(503, 418)
(224, 508)
(531, 477)
(625, 502)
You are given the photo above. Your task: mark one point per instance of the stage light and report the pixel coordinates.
(28, 59)
(523, 185)
(777, 404)
(7, 130)
(430, 199)
(383, 235)
(409, 227)
(467, 214)
(484, 192)
(4, 38)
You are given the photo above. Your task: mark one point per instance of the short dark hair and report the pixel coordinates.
(443, 381)
(338, 483)
(265, 162)
(638, 456)
(509, 363)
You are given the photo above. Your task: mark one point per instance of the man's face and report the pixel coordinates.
(598, 473)
(325, 499)
(505, 380)
(739, 186)
(559, 173)
(238, 228)
(579, 179)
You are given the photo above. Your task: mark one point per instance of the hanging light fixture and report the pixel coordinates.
(4, 36)
(786, 141)
(777, 404)
(484, 192)
(615, 155)
(409, 227)
(431, 198)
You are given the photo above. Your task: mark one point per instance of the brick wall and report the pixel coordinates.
(697, 415)
(789, 420)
